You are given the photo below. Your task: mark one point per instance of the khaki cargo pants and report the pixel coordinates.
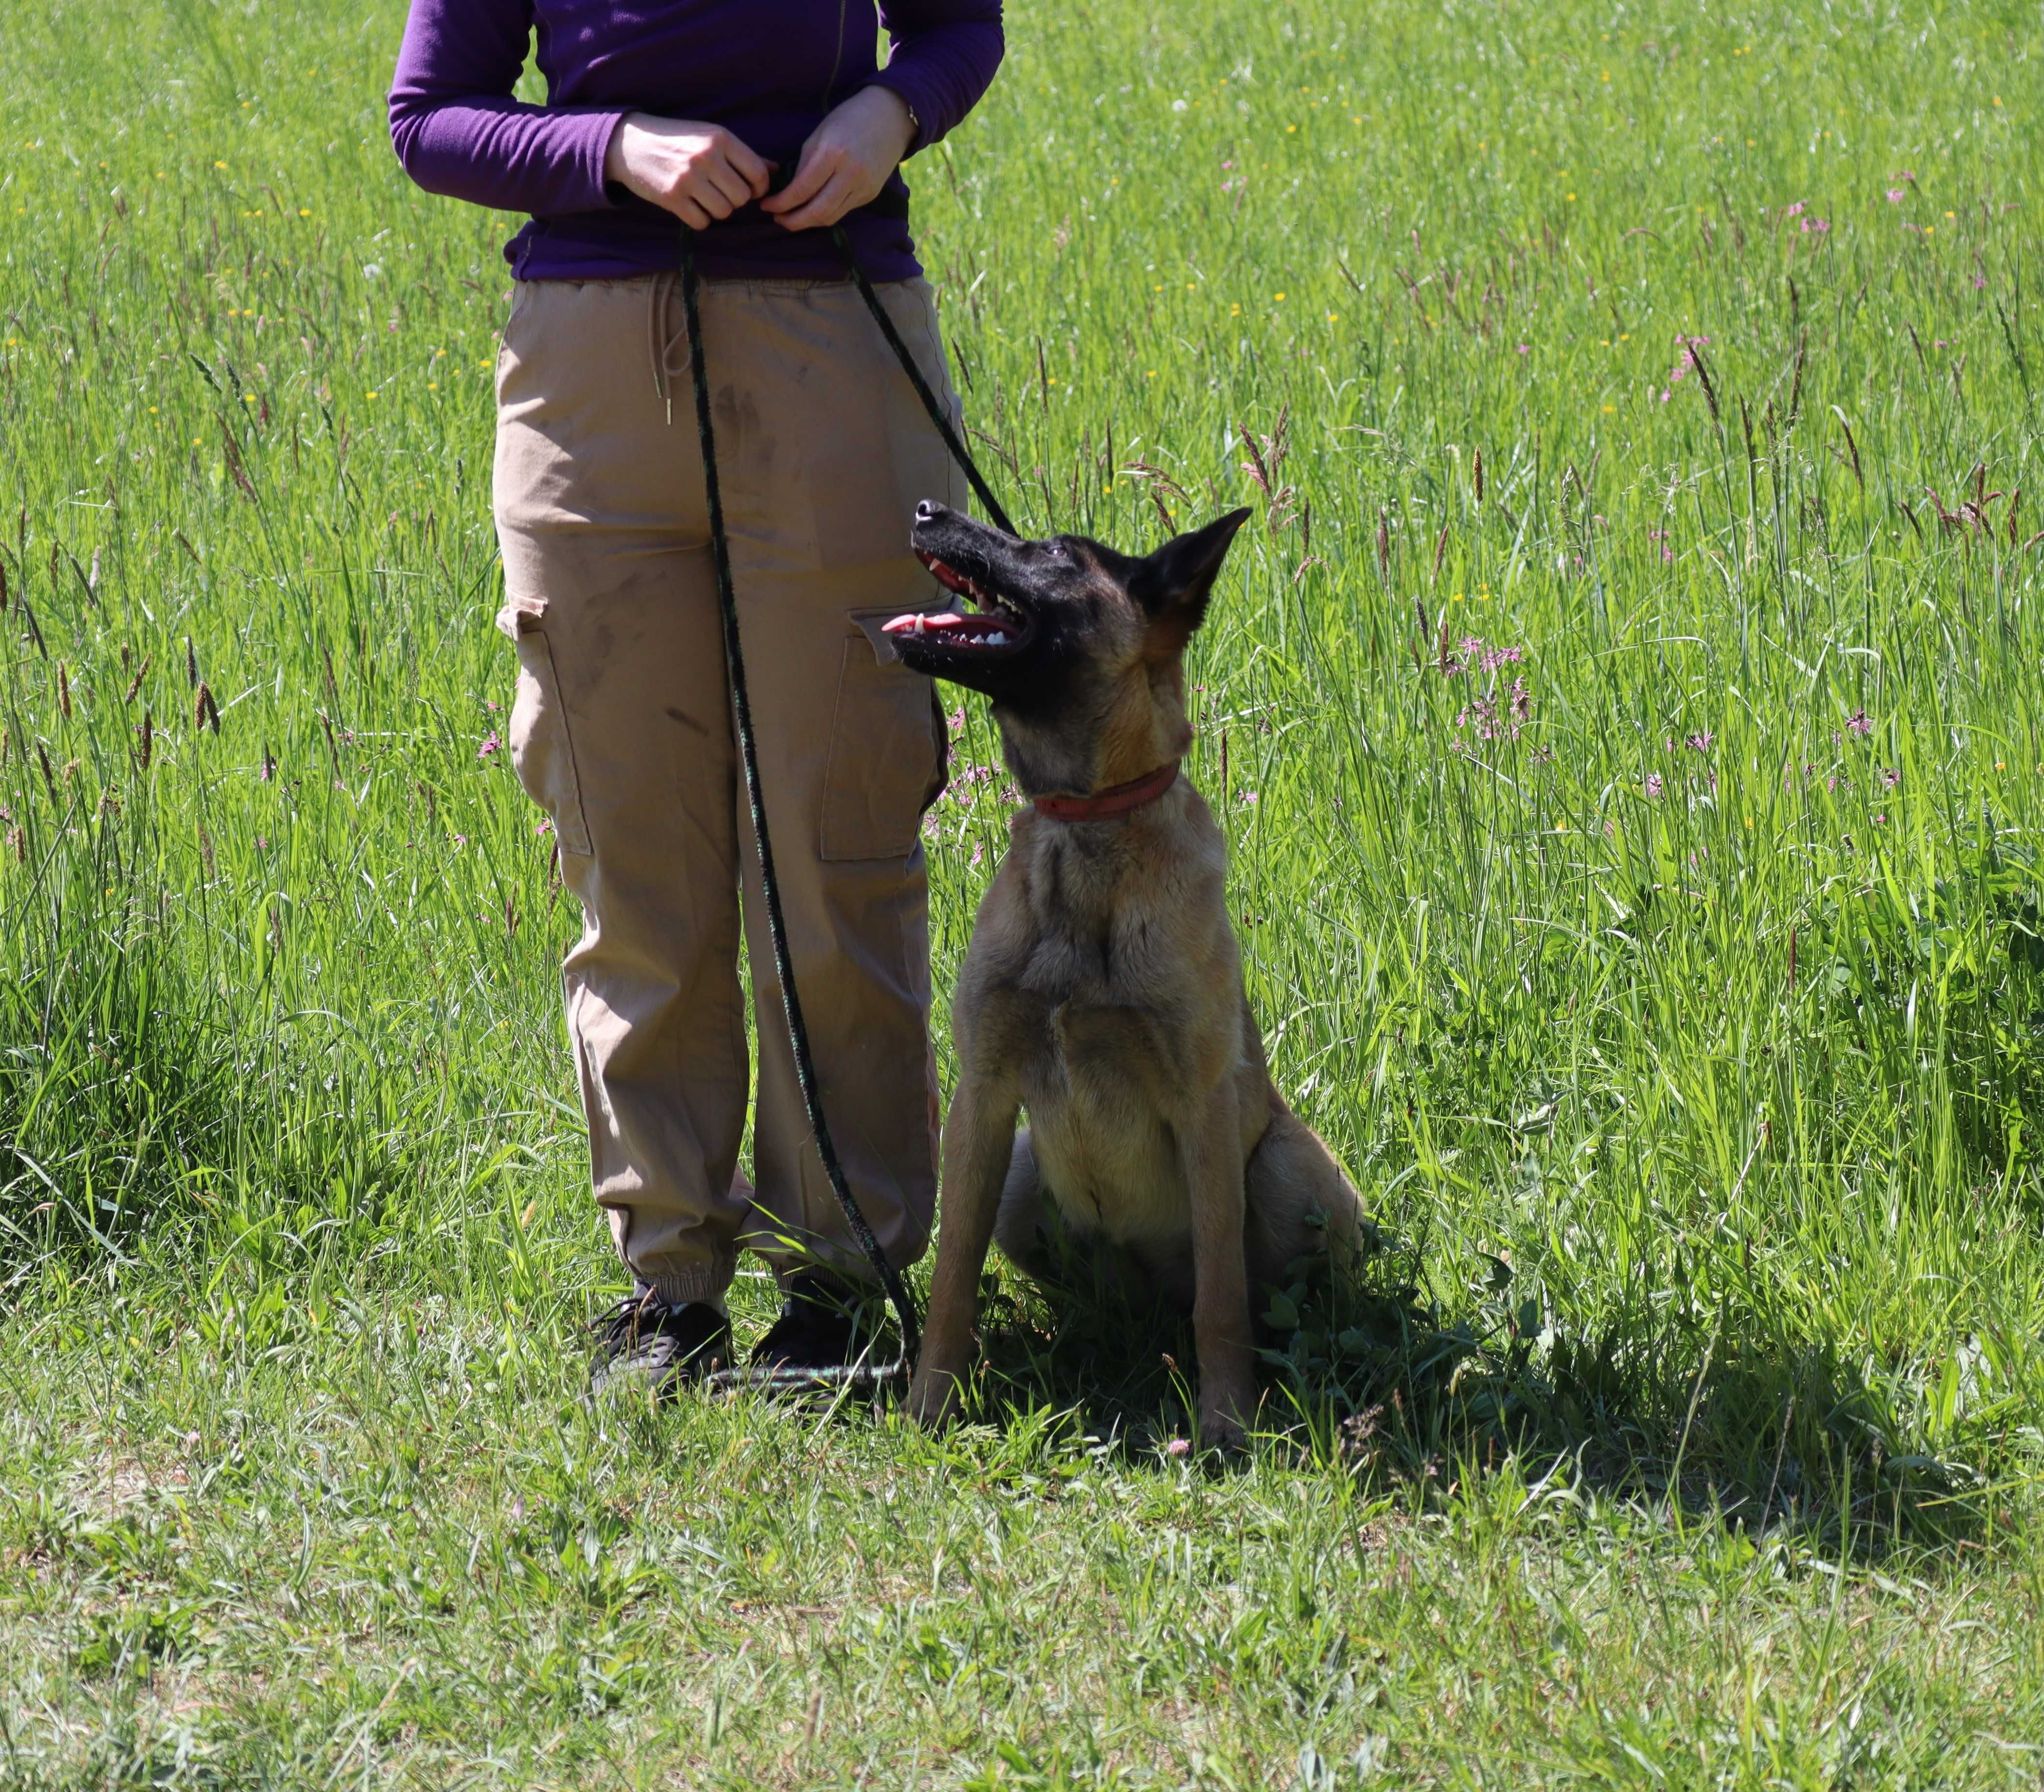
(622, 731)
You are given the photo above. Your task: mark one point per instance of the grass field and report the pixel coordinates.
(1627, 707)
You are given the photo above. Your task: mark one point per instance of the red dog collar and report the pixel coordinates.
(1105, 805)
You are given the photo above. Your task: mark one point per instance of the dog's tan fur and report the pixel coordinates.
(1103, 993)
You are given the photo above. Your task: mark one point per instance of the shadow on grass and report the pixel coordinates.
(1371, 1375)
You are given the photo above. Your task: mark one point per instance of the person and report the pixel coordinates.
(682, 114)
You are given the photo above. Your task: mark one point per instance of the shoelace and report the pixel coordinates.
(621, 1325)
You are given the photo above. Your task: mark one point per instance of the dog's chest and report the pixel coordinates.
(1103, 1081)
(1104, 1001)
(1100, 1111)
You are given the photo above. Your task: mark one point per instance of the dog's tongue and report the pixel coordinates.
(949, 625)
(914, 623)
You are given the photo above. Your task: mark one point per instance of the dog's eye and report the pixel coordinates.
(1056, 549)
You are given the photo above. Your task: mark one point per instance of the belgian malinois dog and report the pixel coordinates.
(1102, 992)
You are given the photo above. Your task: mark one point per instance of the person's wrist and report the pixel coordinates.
(903, 114)
(614, 152)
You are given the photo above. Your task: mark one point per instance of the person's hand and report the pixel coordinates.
(699, 172)
(846, 161)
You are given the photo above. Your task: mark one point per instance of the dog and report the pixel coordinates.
(1102, 991)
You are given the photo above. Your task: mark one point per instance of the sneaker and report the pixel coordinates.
(825, 1324)
(647, 1346)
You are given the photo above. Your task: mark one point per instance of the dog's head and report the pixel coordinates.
(1080, 648)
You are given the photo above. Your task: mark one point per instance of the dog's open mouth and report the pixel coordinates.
(993, 627)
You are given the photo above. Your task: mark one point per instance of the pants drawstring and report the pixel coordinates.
(660, 347)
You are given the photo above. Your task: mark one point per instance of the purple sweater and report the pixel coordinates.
(767, 70)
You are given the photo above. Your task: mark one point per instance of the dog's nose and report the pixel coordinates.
(928, 511)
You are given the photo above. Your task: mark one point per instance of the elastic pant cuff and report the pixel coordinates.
(681, 1286)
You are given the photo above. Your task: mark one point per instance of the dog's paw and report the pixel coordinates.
(1220, 1434)
(1221, 1424)
(933, 1397)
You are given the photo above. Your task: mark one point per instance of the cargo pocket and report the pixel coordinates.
(886, 751)
(542, 753)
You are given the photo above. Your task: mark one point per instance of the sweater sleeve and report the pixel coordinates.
(945, 52)
(457, 130)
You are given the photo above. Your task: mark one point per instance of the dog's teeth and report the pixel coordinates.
(997, 639)
(918, 625)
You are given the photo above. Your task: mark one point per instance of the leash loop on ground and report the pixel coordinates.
(898, 1297)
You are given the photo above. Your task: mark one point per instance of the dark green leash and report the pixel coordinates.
(855, 1374)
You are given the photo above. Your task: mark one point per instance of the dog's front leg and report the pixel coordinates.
(1211, 1158)
(979, 1136)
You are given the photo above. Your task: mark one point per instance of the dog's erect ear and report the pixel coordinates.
(1173, 584)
